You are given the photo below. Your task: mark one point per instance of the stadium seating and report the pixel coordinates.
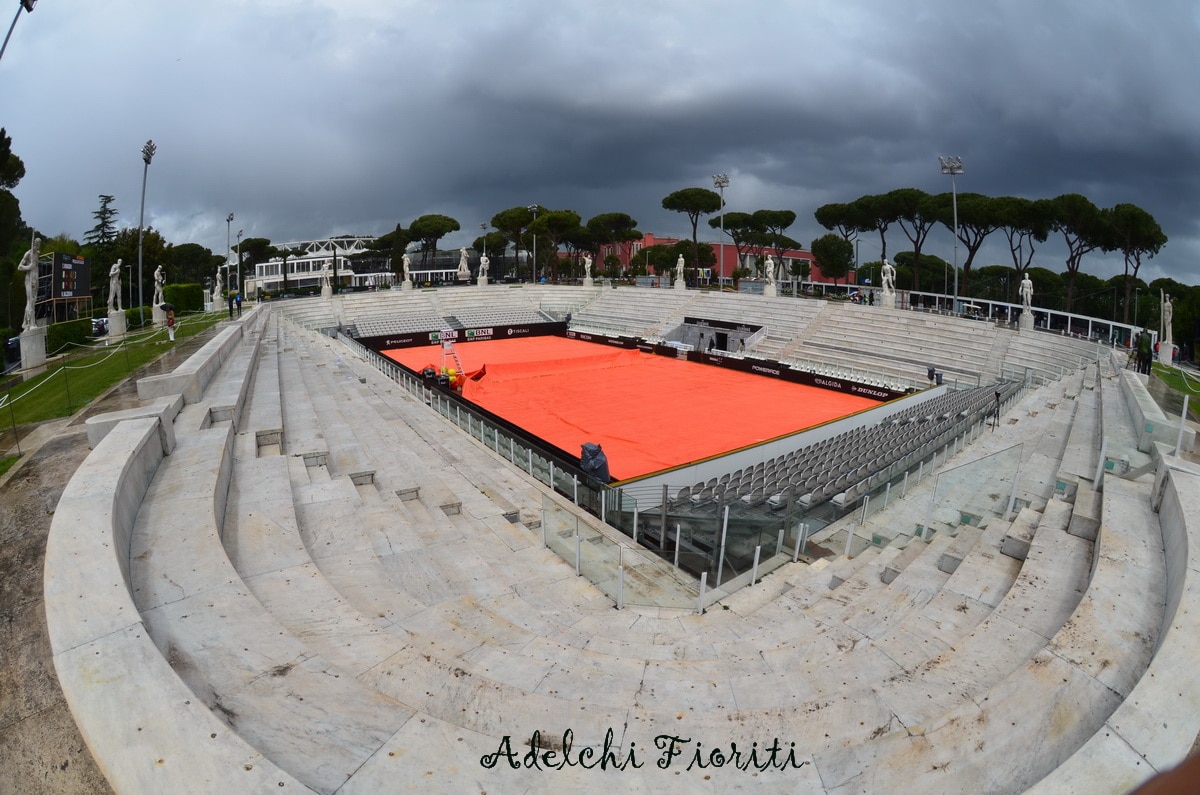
(326, 587)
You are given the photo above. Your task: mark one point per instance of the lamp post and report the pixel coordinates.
(533, 208)
(721, 182)
(1136, 290)
(147, 154)
(239, 256)
(27, 5)
(953, 166)
(483, 232)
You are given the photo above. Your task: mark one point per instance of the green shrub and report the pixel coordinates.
(62, 336)
(185, 297)
(138, 317)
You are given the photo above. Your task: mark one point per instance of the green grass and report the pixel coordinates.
(1188, 384)
(7, 463)
(74, 381)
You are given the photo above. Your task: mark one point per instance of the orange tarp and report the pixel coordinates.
(648, 412)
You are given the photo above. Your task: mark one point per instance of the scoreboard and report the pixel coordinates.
(71, 277)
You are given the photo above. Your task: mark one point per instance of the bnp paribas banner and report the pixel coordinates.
(415, 339)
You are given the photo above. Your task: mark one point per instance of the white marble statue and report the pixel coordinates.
(1026, 292)
(889, 278)
(29, 265)
(406, 263)
(324, 279)
(1168, 313)
(587, 266)
(218, 287)
(484, 264)
(114, 287)
(679, 268)
(463, 270)
(159, 279)
(769, 268)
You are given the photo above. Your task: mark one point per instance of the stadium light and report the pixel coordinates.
(953, 166)
(228, 243)
(483, 232)
(239, 256)
(27, 5)
(721, 182)
(147, 155)
(533, 208)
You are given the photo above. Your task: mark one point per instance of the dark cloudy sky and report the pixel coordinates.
(310, 118)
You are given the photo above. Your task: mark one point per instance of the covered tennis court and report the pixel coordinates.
(648, 412)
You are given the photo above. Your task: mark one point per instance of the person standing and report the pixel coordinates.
(171, 324)
(238, 300)
(230, 300)
(1145, 351)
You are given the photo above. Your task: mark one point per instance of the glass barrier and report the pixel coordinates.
(674, 536)
(622, 571)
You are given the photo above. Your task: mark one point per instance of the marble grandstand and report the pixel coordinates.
(286, 572)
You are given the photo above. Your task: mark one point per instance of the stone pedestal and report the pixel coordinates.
(769, 291)
(33, 347)
(482, 281)
(116, 325)
(680, 284)
(887, 300)
(588, 281)
(158, 315)
(326, 291)
(1164, 352)
(406, 285)
(1025, 322)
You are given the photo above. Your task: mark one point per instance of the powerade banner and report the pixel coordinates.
(418, 338)
(782, 371)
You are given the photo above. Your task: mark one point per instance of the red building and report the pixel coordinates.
(726, 255)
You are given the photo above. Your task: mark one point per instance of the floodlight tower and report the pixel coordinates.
(26, 5)
(533, 208)
(147, 155)
(721, 182)
(953, 166)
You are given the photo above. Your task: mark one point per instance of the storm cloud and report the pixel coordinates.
(310, 118)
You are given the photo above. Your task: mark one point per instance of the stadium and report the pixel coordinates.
(349, 545)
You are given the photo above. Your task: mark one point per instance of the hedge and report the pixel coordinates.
(185, 297)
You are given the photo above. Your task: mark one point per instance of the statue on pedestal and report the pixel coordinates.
(158, 286)
(1168, 313)
(464, 272)
(587, 266)
(29, 265)
(889, 278)
(769, 268)
(1026, 292)
(679, 268)
(484, 263)
(406, 263)
(114, 287)
(218, 288)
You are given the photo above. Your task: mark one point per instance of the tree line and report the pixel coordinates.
(561, 238)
